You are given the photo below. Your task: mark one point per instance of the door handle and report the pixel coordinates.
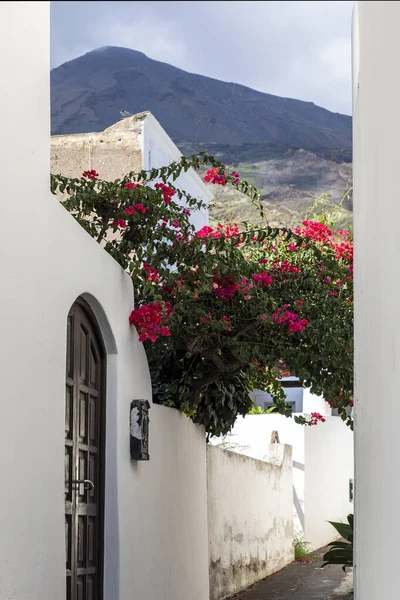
(89, 485)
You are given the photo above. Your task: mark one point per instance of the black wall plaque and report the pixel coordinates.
(139, 429)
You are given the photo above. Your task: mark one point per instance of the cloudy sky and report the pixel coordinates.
(294, 48)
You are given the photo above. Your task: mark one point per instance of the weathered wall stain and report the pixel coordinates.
(249, 518)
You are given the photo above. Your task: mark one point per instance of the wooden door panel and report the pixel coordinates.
(84, 458)
(69, 396)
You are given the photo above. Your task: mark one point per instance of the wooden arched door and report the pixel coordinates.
(84, 457)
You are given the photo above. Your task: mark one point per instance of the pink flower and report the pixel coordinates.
(186, 212)
(175, 224)
(119, 223)
(236, 178)
(206, 318)
(151, 320)
(315, 417)
(264, 316)
(285, 267)
(129, 185)
(228, 230)
(282, 316)
(315, 231)
(224, 286)
(164, 331)
(93, 175)
(151, 273)
(214, 176)
(204, 231)
(298, 325)
(262, 278)
(133, 210)
(130, 210)
(167, 192)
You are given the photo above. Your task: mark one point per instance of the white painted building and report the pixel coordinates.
(376, 132)
(79, 518)
(322, 468)
(133, 144)
(149, 517)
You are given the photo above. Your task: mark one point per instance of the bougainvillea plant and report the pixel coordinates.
(226, 309)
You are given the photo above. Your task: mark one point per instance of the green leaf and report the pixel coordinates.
(342, 528)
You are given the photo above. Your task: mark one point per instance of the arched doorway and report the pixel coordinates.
(84, 455)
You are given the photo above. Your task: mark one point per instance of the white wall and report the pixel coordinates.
(302, 399)
(329, 465)
(249, 518)
(156, 511)
(159, 151)
(251, 436)
(377, 285)
(313, 403)
(322, 467)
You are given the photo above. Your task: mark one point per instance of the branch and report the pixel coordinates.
(252, 325)
(221, 368)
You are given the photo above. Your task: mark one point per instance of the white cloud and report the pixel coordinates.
(146, 35)
(337, 58)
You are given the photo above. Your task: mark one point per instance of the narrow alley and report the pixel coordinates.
(302, 581)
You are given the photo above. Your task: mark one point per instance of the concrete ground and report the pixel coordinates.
(303, 581)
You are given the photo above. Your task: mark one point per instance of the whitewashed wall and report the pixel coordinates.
(322, 467)
(250, 521)
(159, 151)
(156, 511)
(313, 403)
(329, 465)
(376, 131)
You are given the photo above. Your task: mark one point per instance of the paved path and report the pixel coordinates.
(302, 581)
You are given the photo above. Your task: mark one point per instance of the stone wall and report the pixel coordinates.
(112, 153)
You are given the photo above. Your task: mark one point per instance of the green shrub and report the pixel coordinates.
(341, 553)
(300, 550)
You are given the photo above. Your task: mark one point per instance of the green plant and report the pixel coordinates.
(341, 553)
(225, 310)
(301, 552)
(259, 410)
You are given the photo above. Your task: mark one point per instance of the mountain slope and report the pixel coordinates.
(88, 92)
(292, 183)
(292, 151)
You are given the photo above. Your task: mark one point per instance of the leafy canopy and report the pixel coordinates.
(224, 310)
